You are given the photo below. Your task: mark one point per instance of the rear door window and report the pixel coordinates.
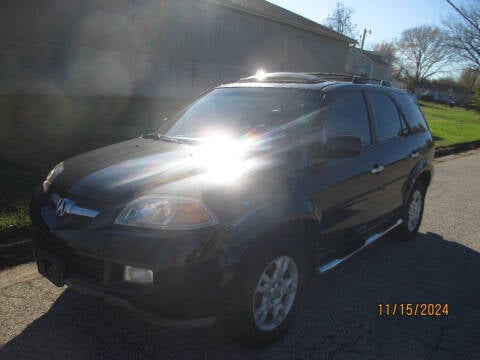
(347, 115)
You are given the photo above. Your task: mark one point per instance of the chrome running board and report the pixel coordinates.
(331, 264)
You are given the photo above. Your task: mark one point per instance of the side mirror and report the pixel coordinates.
(343, 146)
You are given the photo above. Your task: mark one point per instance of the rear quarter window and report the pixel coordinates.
(412, 113)
(388, 123)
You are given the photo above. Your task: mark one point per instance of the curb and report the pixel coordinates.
(11, 236)
(16, 252)
(14, 241)
(456, 148)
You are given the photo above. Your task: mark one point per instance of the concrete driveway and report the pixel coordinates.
(339, 318)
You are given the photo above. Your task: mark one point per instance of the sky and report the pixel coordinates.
(385, 18)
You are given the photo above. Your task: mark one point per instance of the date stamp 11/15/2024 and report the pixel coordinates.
(420, 309)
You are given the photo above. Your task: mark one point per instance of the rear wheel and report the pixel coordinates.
(412, 213)
(267, 295)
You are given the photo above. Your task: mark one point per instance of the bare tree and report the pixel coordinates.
(341, 20)
(386, 48)
(464, 34)
(388, 51)
(422, 53)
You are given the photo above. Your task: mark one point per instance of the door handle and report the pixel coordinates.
(415, 154)
(377, 169)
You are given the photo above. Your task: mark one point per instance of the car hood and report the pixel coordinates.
(125, 169)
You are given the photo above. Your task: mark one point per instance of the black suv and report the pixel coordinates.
(238, 199)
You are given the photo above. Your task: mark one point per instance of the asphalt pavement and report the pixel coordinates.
(340, 317)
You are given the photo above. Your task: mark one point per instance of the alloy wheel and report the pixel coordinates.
(415, 210)
(275, 293)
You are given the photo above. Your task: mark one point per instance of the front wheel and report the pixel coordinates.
(266, 299)
(412, 213)
(275, 293)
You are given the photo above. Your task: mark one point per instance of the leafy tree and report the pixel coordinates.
(341, 20)
(469, 78)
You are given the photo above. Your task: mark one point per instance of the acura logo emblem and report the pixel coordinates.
(66, 206)
(61, 207)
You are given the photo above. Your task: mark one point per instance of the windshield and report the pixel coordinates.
(238, 110)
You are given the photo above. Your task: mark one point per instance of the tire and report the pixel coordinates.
(245, 300)
(412, 213)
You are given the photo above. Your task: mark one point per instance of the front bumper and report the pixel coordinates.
(147, 316)
(184, 292)
(188, 267)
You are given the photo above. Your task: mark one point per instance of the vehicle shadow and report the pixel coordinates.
(339, 319)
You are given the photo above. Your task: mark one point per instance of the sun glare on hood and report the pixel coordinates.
(223, 157)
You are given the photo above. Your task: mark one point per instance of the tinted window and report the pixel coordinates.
(238, 110)
(303, 103)
(347, 115)
(387, 118)
(413, 114)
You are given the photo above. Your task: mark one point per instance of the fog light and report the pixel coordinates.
(137, 275)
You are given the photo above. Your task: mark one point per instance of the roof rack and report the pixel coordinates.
(355, 79)
(332, 76)
(312, 78)
(362, 80)
(288, 77)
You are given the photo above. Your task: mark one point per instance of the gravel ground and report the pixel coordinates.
(338, 320)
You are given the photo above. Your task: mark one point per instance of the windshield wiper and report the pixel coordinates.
(169, 138)
(158, 136)
(174, 139)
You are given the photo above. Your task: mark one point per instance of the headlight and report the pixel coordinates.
(165, 212)
(57, 170)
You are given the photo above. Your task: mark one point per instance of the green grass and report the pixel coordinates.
(17, 183)
(16, 219)
(451, 125)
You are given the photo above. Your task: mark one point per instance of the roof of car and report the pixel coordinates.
(311, 81)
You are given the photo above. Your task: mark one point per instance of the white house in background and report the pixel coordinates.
(443, 93)
(370, 64)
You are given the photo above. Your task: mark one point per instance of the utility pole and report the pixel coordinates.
(363, 37)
